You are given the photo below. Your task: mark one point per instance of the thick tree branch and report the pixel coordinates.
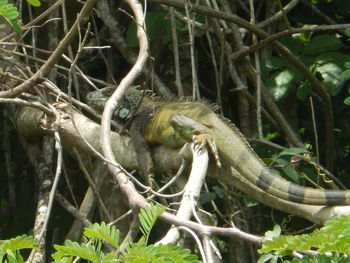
(166, 161)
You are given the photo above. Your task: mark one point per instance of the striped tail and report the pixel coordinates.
(233, 148)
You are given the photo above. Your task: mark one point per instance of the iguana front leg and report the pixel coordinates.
(142, 149)
(192, 130)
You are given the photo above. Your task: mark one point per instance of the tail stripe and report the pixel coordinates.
(296, 193)
(334, 197)
(265, 179)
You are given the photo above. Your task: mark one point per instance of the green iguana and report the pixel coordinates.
(175, 123)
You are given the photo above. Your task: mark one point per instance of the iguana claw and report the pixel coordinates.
(197, 132)
(205, 139)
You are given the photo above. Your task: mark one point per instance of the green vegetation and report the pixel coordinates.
(331, 243)
(11, 14)
(94, 238)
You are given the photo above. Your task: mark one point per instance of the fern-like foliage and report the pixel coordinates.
(135, 253)
(333, 237)
(10, 248)
(103, 232)
(71, 248)
(93, 234)
(148, 217)
(91, 249)
(140, 253)
(11, 14)
(20, 242)
(336, 258)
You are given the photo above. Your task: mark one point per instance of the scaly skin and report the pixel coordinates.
(236, 151)
(175, 123)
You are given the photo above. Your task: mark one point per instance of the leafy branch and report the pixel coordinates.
(11, 14)
(96, 234)
(330, 242)
(9, 249)
(92, 247)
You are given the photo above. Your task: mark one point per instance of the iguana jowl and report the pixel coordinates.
(175, 123)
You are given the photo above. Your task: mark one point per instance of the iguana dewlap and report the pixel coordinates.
(169, 126)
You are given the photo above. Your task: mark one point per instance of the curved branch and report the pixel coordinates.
(266, 41)
(126, 186)
(279, 14)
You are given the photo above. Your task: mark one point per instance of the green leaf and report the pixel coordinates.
(280, 83)
(347, 31)
(270, 136)
(74, 249)
(35, 3)
(332, 80)
(20, 242)
(206, 197)
(158, 254)
(2, 255)
(276, 232)
(111, 257)
(14, 24)
(12, 258)
(274, 259)
(250, 202)
(345, 75)
(322, 44)
(292, 151)
(330, 66)
(219, 191)
(333, 237)
(64, 260)
(347, 101)
(103, 232)
(272, 63)
(293, 44)
(303, 90)
(288, 170)
(148, 217)
(308, 60)
(157, 26)
(265, 257)
(336, 225)
(8, 10)
(10, 13)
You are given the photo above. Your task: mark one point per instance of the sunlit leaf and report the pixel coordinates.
(347, 101)
(103, 232)
(273, 233)
(322, 43)
(71, 248)
(148, 217)
(35, 3)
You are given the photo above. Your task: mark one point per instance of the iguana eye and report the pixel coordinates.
(123, 113)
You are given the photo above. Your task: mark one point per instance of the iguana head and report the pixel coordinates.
(125, 108)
